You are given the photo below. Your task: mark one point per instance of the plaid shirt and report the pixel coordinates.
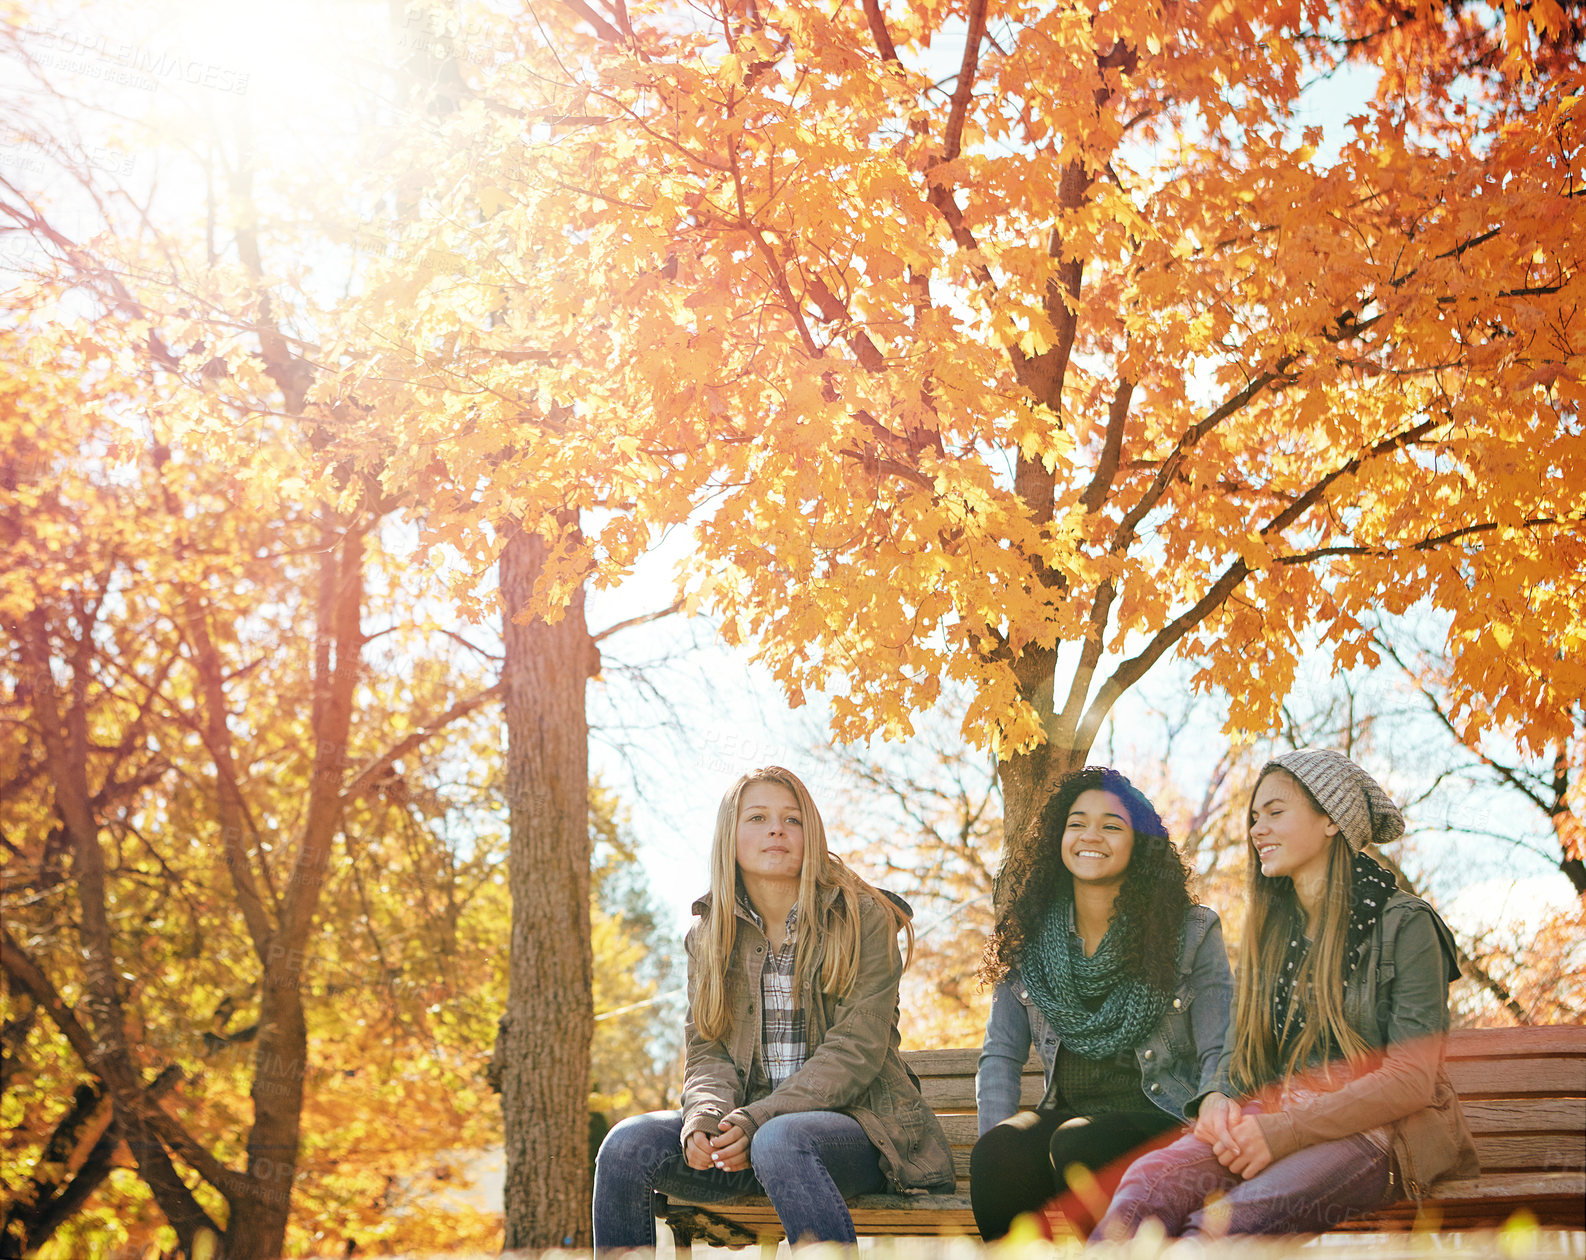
(783, 1044)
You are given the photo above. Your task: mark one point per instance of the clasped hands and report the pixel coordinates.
(728, 1150)
(1235, 1138)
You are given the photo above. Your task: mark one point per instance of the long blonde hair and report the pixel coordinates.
(828, 945)
(1273, 910)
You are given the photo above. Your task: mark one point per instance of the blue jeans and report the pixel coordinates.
(1311, 1190)
(805, 1162)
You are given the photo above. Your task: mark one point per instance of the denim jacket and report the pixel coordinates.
(1177, 1061)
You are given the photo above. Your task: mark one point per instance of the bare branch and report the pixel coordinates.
(1111, 450)
(878, 31)
(1468, 964)
(642, 619)
(377, 769)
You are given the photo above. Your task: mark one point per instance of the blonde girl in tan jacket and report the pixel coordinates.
(793, 1086)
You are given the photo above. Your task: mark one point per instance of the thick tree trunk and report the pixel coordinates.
(261, 1205)
(544, 1050)
(1028, 779)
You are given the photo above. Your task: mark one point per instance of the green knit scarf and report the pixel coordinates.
(1060, 977)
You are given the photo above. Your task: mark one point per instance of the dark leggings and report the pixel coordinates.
(1017, 1166)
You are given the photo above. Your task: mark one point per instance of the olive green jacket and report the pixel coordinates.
(1398, 1004)
(853, 1065)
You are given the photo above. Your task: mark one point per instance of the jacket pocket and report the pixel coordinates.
(1180, 1026)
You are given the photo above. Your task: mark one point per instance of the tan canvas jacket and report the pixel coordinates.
(853, 1064)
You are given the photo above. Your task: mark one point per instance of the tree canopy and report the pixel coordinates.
(970, 337)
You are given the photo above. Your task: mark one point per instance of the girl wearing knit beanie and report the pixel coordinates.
(1331, 1098)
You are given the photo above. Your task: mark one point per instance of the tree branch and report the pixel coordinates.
(1425, 544)
(1132, 670)
(376, 769)
(643, 619)
(335, 682)
(1123, 536)
(1111, 450)
(603, 28)
(965, 87)
(132, 1101)
(230, 808)
(878, 31)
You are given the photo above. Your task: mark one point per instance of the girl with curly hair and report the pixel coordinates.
(792, 1082)
(1102, 960)
(1332, 1096)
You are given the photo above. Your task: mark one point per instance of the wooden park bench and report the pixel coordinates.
(1523, 1091)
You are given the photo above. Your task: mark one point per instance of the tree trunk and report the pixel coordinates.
(1566, 825)
(1029, 779)
(545, 1036)
(261, 1205)
(261, 1201)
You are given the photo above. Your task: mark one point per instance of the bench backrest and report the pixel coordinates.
(1523, 1091)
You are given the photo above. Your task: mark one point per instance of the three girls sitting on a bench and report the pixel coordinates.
(793, 1084)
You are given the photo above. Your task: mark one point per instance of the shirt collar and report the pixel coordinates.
(747, 907)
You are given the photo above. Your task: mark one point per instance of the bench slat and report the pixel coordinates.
(1526, 1115)
(1507, 1078)
(957, 1093)
(1472, 1075)
(1563, 1116)
(1531, 1042)
(741, 1223)
(1498, 1153)
(945, 1062)
(1540, 1152)
(1515, 1115)
(1556, 1198)
(1477, 1082)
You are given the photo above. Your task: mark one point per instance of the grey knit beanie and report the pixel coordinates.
(1351, 797)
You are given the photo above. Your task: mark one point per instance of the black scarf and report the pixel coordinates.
(1369, 889)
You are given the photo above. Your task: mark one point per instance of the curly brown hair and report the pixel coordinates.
(1151, 903)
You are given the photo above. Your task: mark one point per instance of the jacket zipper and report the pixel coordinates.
(1412, 1183)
